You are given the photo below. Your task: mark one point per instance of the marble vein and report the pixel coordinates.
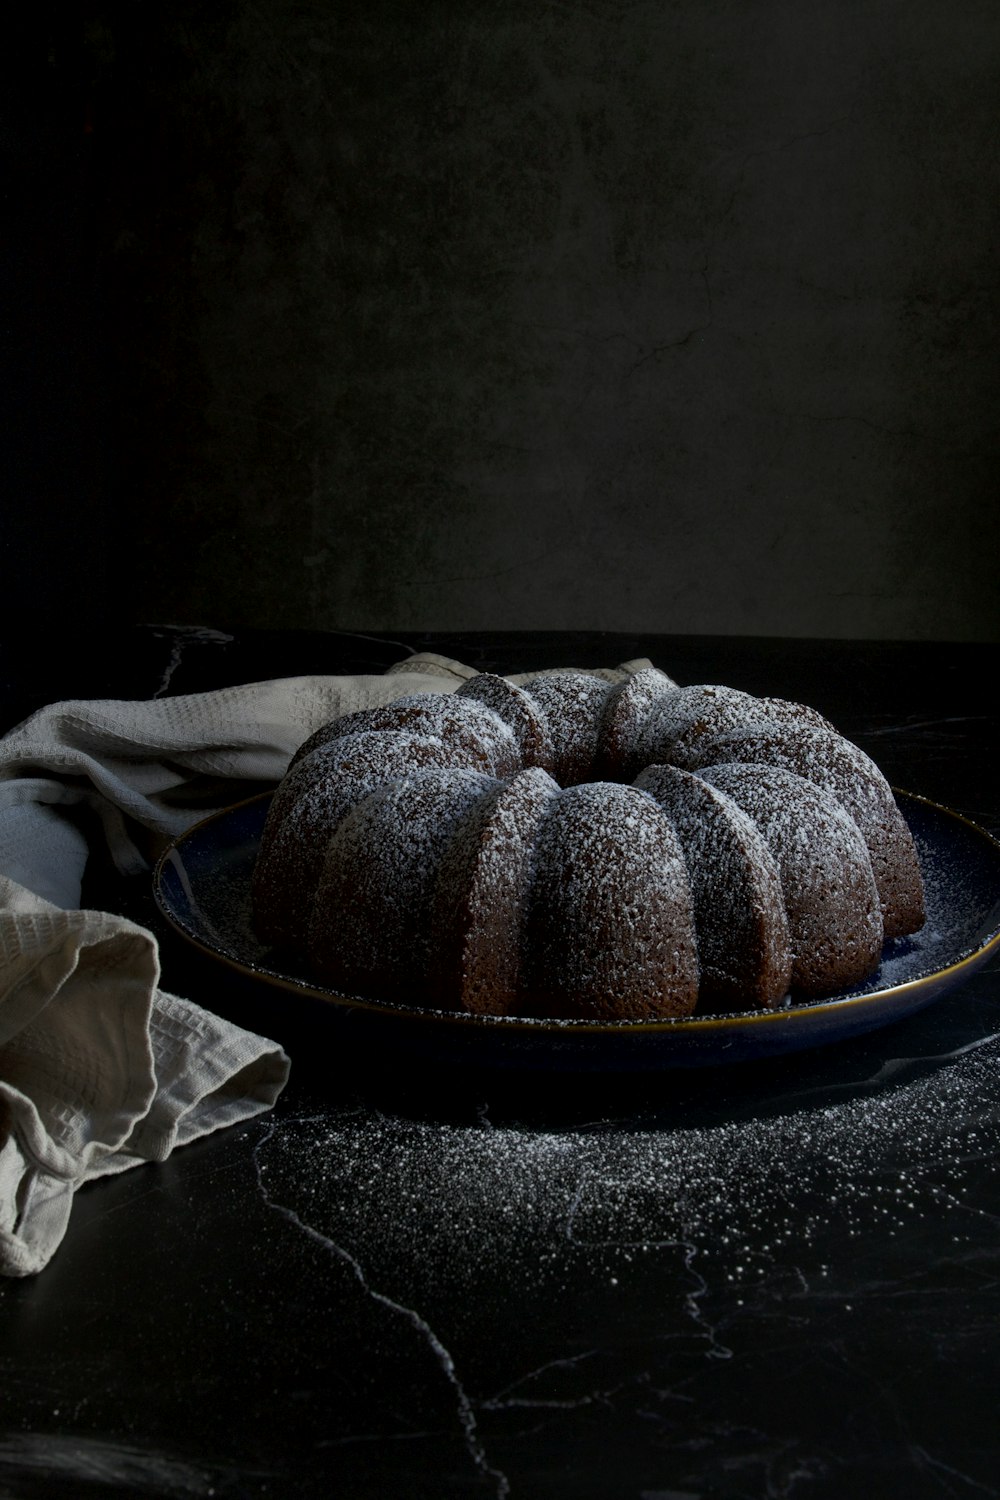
(181, 637)
(507, 1397)
(465, 1411)
(936, 1463)
(692, 1298)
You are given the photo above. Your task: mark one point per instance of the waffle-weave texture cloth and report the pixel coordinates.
(100, 1068)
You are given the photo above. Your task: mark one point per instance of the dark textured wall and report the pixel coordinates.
(674, 315)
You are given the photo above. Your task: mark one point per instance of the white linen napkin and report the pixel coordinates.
(100, 1069)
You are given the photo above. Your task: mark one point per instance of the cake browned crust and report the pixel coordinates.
(579, 848)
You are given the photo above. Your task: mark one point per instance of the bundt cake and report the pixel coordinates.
(578, 848)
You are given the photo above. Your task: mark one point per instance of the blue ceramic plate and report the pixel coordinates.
(202, 886)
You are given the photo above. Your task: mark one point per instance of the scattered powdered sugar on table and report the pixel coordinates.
(548, 1271)
(742, 1195)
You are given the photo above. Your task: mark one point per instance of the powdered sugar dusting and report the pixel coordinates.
(737, 1199)
(573, 705)
(477, 736)
(743, 943)
(308, 806)
(611, 932)
(831, 901)
(371, 919)
(518, 711)
(481, 894)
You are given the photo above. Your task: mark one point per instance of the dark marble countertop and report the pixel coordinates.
(778, 1279)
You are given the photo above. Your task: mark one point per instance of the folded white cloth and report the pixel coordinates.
(100, 1069)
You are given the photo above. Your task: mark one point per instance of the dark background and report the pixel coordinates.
(671, 315)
